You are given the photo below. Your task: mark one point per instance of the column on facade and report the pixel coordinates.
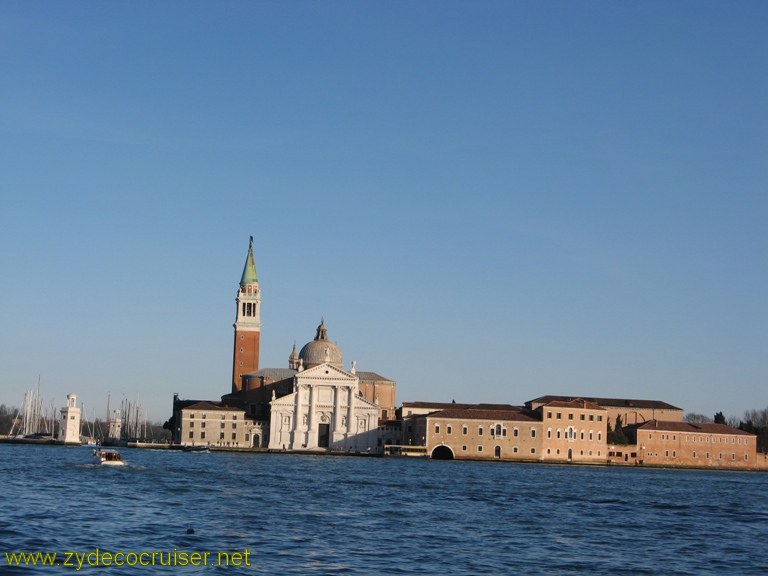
(337, 432)
(351, 424)
(295, 427)
(312, 420)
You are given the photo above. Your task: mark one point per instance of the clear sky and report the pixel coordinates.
(486, 201)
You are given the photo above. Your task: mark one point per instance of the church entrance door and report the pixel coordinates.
(323, 435)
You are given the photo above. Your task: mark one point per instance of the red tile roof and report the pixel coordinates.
(473, 414)
(701, 428)
(576, 403)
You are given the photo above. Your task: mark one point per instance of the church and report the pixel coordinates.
(314, 405)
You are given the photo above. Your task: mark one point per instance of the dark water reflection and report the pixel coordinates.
(338, 515)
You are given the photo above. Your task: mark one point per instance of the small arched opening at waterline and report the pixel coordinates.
(497, 452)
(442, 452)
(256, 441)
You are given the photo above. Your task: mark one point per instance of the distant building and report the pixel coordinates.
(687, 444)
(204, 423)
(629, 410)
(573, 431)
(325, 411)
(313, 405)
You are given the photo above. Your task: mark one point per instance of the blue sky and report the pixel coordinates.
(486, 201)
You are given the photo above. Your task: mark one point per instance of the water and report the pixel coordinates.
(343, 515)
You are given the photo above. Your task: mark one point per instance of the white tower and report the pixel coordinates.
(69, 424)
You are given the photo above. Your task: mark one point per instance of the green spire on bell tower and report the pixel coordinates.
(249, 271)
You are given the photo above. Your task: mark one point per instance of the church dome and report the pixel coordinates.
(320, 350)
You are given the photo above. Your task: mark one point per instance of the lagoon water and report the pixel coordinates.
(344, 515)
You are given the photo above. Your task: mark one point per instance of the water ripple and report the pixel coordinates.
(318, 515)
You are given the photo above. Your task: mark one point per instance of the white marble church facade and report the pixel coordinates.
(324, 412)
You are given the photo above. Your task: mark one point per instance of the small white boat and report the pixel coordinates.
(107, 457)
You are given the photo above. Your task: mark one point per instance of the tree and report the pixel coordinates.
(696, 418)
(7, 415)
(617, 436)
(719, 418)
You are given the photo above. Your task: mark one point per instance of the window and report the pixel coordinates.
(191, 424)
(533, 432)
(202, 435)
(202, 426)
(549, 414)
(591, 417)
(480, 448)
(222, 424)
(448, 429)
(479, 430)
(498, 429)
(191, 434)
(515, 432)
(599, 436)
(514, 450)
(437, 428)
(234, 435)
(549, 432)
(464, 430)
(581, 417)
(599, 418)
(590, 434)
(558, 433)
(570, 416)
(234, 425)
(533, 450)
(464, 448)
(559, 415)
(221, 436)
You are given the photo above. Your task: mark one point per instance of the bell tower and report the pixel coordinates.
(247, 323)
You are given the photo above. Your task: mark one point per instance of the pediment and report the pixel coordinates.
(327, 372)
(284, 401)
